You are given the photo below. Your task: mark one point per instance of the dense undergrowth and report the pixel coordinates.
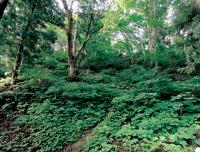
(133, 109)
(147, 121)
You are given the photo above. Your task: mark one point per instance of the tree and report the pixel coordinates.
(140, 24)
(186, 29)
(23, 37)
(23, 28)
(89, 28)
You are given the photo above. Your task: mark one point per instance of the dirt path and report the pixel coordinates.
(75, 147)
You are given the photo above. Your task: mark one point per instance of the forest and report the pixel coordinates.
(99, 75)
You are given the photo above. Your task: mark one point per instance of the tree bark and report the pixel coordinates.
(75, 35)
(197, 3)
(153, 33)
(17, 63)
(3, 4)
(71, 57)
(152, 44)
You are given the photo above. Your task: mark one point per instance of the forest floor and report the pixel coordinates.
(128, 110)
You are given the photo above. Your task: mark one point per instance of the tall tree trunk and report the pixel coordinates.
(19, 56)
(69, 31)
(71, 57)
(152, 44)
(3, 4)
(18, 62)
(153, 33)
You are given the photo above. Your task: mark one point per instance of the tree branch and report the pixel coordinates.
(89, 25)
(67, 10)
(87, 39)
(53, 22)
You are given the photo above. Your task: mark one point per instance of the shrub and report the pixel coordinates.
(81, 92)
(163, 86)
(66, 112)
(142, 122)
